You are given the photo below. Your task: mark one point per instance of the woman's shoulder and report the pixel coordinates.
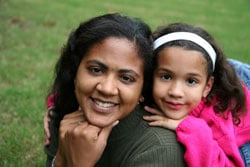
(159, 147)
(161, 135)
(158, 135)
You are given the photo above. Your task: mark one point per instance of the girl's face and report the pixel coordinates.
(109, 81)
(180, 81)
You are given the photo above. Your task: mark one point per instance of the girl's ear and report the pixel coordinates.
(208, 87)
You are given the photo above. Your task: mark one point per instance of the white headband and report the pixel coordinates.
(189, 37)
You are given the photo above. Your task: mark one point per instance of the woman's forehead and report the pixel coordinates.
(120, 53)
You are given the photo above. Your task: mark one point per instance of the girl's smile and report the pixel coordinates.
(174, 105)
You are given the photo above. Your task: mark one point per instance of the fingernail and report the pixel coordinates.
(115, 123)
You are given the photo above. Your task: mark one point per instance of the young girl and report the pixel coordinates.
(199, 96)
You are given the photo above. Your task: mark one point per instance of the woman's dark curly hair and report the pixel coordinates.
(82, 39)
(227, 87)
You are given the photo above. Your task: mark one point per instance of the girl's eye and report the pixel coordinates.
(192, 81)
(127, 79)
(165, 77)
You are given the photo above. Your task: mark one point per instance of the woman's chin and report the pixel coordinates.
(100, 122)
(101, 125)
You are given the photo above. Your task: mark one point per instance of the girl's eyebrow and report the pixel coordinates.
(105, 67)
(195, 75)
(162, 69)
(166, 70)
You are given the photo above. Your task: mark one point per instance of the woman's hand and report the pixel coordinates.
(159, 119)
(80, 143)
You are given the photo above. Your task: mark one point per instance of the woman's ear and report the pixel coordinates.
(208, 87)
(141, 99)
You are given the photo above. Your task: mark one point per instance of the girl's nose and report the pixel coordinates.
(175, 90)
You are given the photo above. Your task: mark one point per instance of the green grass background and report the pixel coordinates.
(33, 31)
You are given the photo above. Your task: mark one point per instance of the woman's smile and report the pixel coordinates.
(104, 106)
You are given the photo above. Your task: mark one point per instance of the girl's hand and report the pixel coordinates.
(80, 143)
(46, 118)
(159, 119)
(46, 122)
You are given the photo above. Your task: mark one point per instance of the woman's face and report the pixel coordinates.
(109, 81)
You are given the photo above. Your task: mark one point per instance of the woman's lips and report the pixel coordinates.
(103, 106)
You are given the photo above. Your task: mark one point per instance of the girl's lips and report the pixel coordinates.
(174, 106)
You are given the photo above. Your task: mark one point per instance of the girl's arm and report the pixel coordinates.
(205, 148)
(207, 143)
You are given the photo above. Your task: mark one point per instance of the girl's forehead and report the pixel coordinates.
(182, 59)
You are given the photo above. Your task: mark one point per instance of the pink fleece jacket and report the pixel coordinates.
(212, 141)
(50, 101)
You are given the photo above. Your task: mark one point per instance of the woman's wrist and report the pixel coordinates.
(53, 162)
(58, 161)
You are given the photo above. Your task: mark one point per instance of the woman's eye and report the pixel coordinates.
(95, 70)
(127, 79)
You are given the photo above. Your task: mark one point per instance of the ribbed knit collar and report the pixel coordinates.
(197, 111)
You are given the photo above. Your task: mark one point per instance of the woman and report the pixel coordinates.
(101, 79)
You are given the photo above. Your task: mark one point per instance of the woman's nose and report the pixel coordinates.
(108, 86)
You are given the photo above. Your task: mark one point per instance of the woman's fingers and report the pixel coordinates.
(104, 133)
(81, 141)
(73, 115)
(70, 122)
(84, 142)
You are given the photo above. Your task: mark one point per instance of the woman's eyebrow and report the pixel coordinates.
(129, 71)
(105, 67)
(98, 63)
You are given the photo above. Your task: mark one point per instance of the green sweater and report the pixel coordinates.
(132, 143)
